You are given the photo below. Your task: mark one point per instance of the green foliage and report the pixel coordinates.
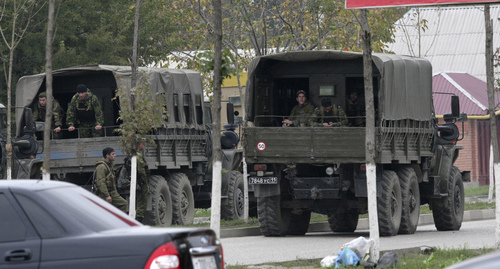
(140, 116)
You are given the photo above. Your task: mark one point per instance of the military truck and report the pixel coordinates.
(294, 171)
(180, 160)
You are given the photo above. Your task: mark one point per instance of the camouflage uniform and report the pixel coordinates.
(39, 113)
(301, 114)
(353, 111)
(86, 114)
(142, 194)
(105, 185)
(336, 115)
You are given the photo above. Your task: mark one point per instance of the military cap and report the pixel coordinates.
(301, 91)
(107, 151)
(326, 102)
(81, 88)
(43, 94)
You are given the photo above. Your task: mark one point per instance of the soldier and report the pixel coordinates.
(39, 111)
(105, 181)
(328, 115)
(85, 110)
(353, 110)
(301, 113)
(142, 180)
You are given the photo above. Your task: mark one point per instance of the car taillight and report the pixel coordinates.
(164, 257)
(222, 255)
(363, 167)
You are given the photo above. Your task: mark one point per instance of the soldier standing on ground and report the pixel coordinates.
(105, 181)
(328, 115)
(142, 180)
(301, 113)
(85, 111)
(39, 112)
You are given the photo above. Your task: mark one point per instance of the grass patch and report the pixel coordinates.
(439, 258)
(475, 191)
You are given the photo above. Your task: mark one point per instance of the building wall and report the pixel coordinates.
(468, 157)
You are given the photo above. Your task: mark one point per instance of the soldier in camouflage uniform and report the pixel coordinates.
(39, 111)
(85, 111)
(301, 113)
(105, 181)
(328, 115)
(142, 180)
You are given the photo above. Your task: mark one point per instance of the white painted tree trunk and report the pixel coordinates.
(371, 184)
(133, 184)
(216, 197)
(245, 191)
(492, 177)
(496, 167)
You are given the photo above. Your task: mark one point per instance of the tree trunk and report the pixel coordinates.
(371, 172)
(491, 104)
(216, 108)
(135, 45)
(48, 70)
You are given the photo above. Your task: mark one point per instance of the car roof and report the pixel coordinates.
(32, 184)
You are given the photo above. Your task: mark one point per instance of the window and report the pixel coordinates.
(186, 101)
(44, 223)
(199, 110)
(11, 226)
(235, 100)
(176, 108)
(326, 90)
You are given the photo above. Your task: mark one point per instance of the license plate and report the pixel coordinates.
(204, 262)
(262, 180)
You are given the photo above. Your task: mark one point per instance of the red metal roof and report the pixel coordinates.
(471, 90)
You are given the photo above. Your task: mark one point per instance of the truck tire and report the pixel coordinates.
(233, 206)
(273, 220)
(389, 204)
(299, 224)
(182, 199)
(161, 202)
(345, 222)
(448, 212)
(410, 197)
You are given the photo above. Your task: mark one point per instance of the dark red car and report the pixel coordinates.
(51, 224)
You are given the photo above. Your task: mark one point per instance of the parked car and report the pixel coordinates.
(52, 224)
(485, 261)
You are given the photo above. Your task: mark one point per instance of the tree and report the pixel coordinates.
(13, 27)
(48, 115)
(371, 172)
(216, 144)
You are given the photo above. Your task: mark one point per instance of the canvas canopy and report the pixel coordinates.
(160, 80)
(405, 90)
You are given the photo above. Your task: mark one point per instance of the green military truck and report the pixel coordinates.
(294, 171)
(179, 163)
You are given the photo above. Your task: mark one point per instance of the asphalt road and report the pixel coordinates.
(259, 249)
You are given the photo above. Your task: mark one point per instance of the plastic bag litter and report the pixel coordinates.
(346, 257)
(360, 246)
(328, 261)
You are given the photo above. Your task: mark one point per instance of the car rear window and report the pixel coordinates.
(88, 209)
(11, 226)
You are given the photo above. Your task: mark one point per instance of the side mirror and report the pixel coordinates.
(28, 121)
(455, 106)
(230, 113)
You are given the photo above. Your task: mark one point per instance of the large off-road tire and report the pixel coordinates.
(182, 199)
(273, 220)
(232, 207)
(299, 223)
(448, 212)
(345, 222)
(161, 202)
(410, 197)
(389, 204)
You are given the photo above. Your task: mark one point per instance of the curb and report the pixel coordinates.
(424, 219)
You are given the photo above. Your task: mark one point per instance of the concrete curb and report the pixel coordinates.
(424, 219)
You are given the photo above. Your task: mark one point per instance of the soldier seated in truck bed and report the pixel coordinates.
(299, 117)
